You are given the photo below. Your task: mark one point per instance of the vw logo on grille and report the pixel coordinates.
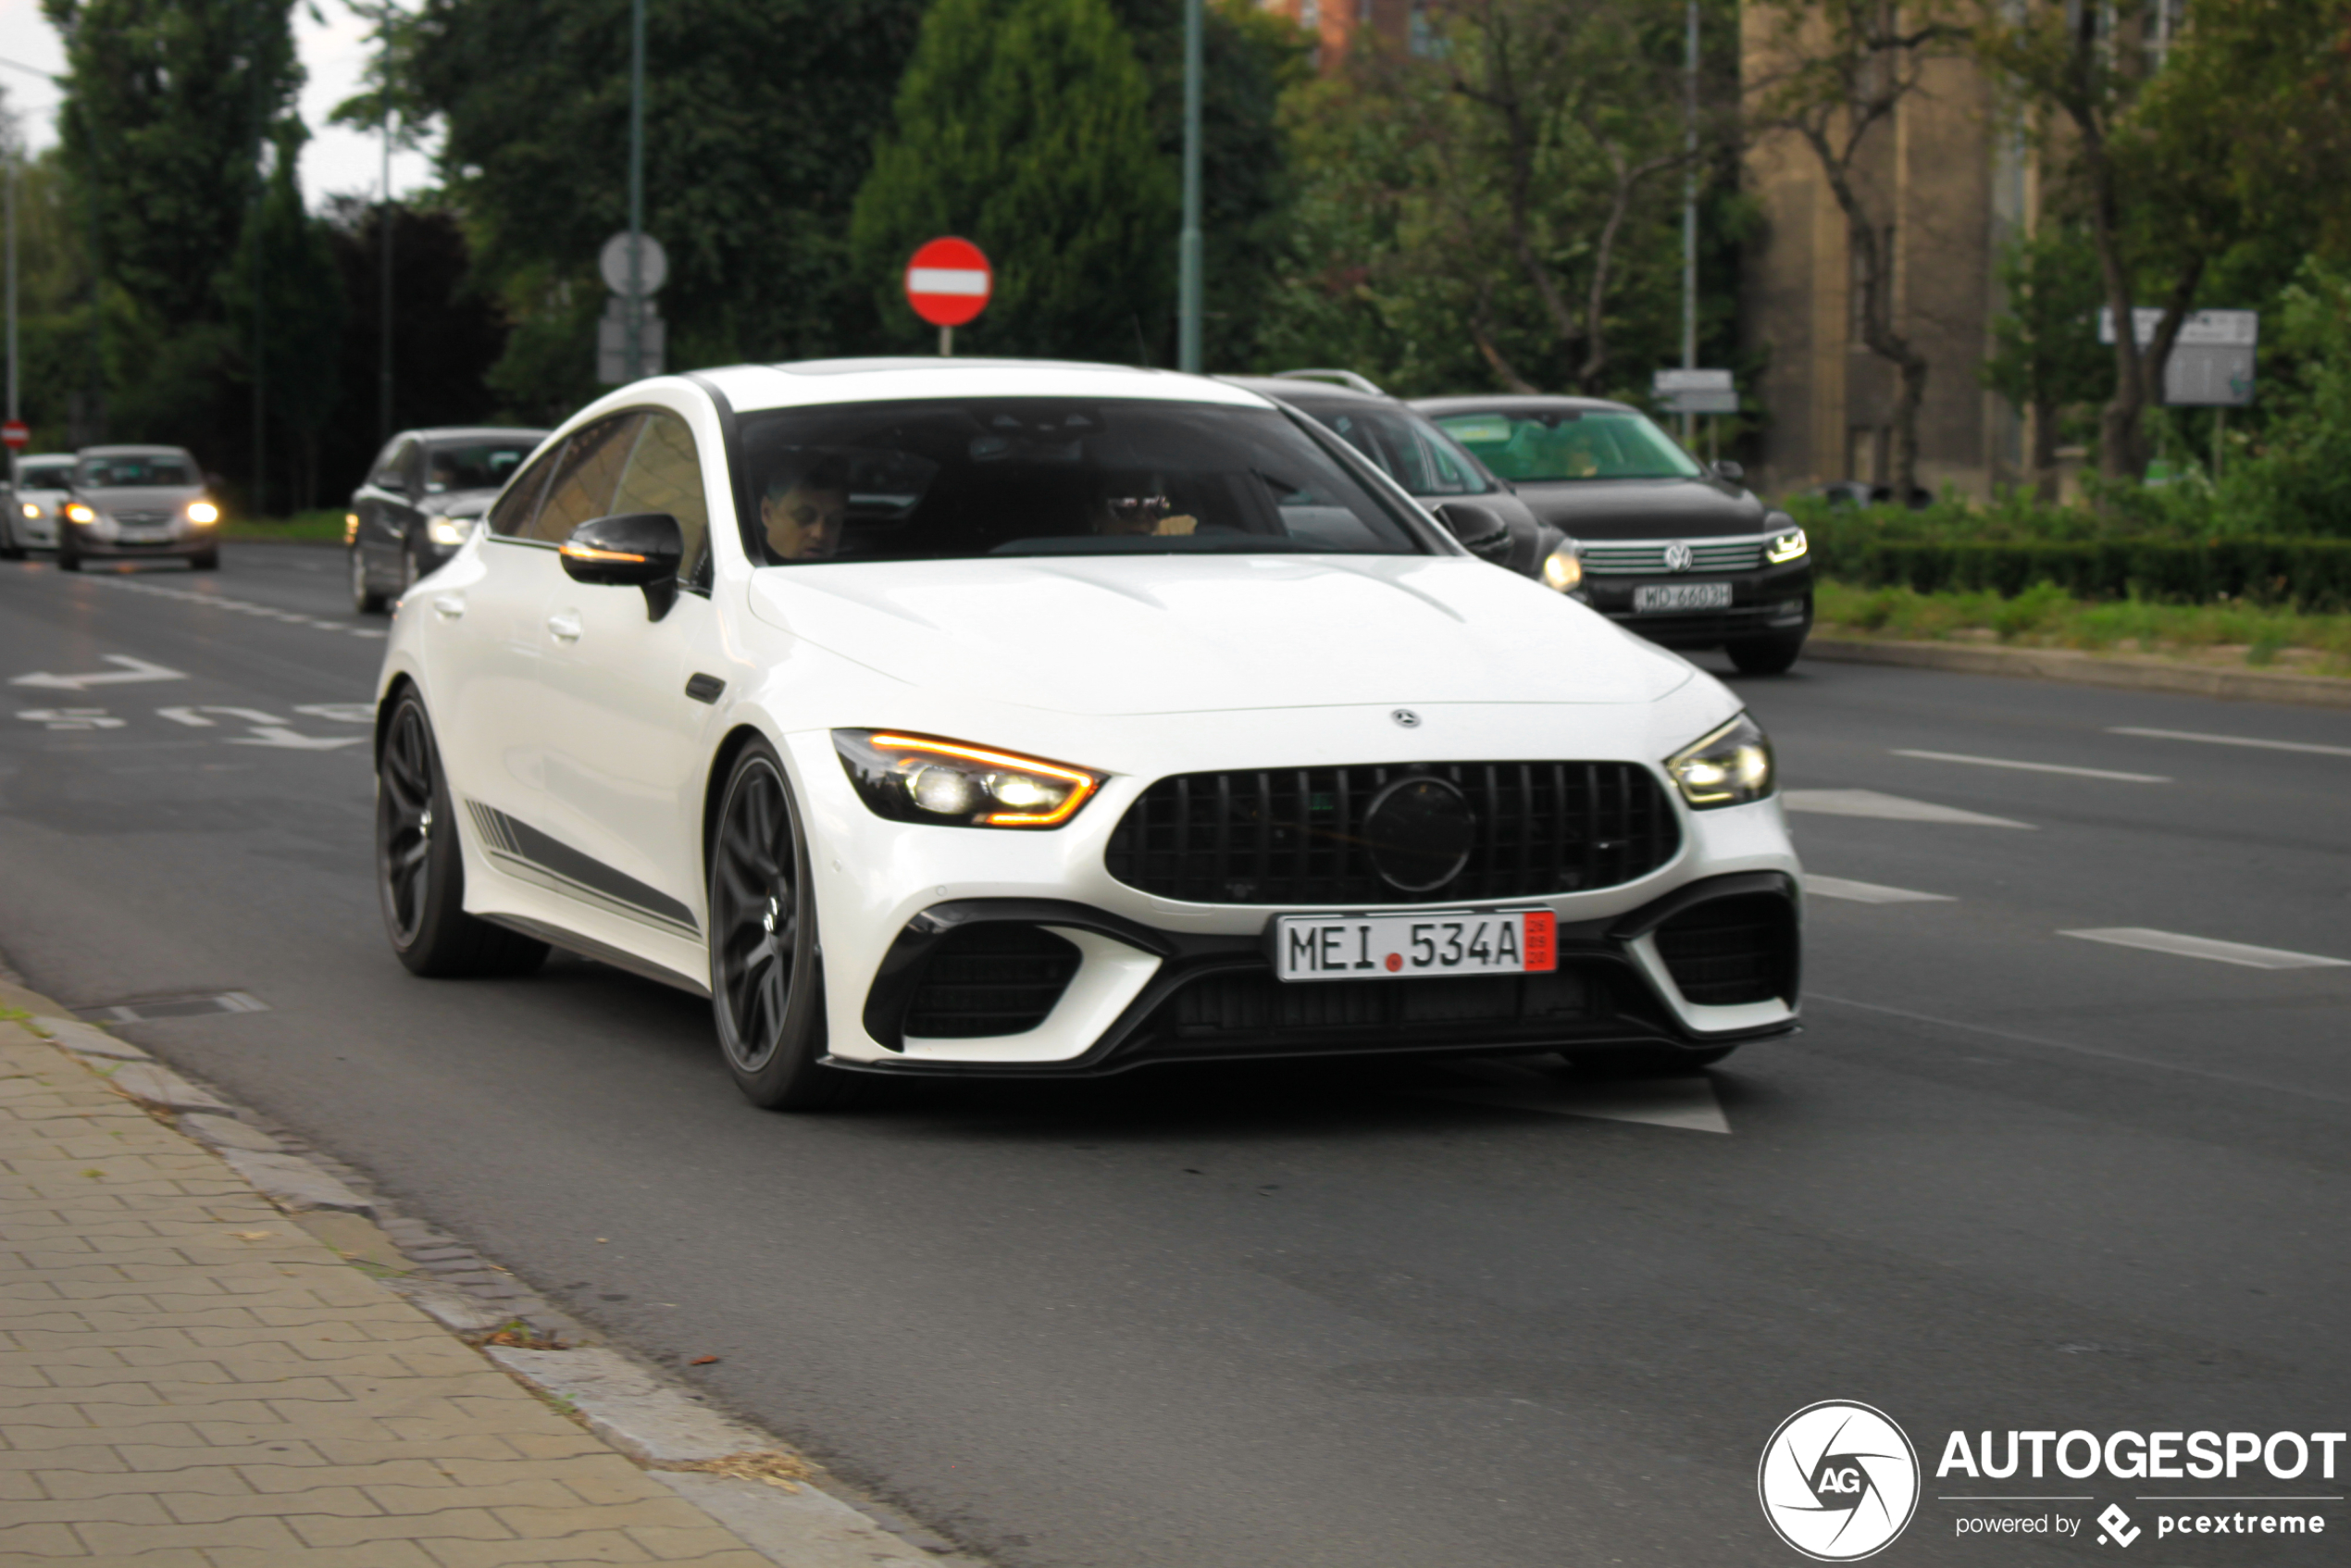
(1420, 831)
(1406, 718)
(1679, 557)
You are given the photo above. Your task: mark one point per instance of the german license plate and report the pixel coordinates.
(1385, 947)
(1681, 596)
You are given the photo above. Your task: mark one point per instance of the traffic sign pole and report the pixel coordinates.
(636, 189)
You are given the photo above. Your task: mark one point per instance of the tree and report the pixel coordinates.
(285, 256)
(760, 118)
(1024, 126)
(1840, 72)
(2181, 147)
(2045, 356)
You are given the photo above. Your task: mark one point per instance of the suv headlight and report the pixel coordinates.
(1729, 767)
(1786, 546)
(1563, 569)
(202, 511)
(949, 784)
(77, 513)
(31, 509)
(447, 531)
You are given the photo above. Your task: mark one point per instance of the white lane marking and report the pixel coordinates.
(286, 740)
(344, 712)
(188, 717)
(1867, 892)
(364, 631)
(1893, 808)
(2039, 767)
(130, 671)
(1686, 1103)
(71, 719)
(2205, 947)
(2234, 741)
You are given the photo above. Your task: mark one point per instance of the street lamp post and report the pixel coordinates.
(384, 217)
(634, 305)
(1689, 208)
(1187, 294)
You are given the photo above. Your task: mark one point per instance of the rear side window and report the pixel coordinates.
(584, 483)
(664, 474)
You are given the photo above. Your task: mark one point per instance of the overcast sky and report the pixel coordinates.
(334, 52)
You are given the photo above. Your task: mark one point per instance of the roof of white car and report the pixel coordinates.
(811, 381)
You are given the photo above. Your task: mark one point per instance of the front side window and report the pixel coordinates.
(952, 479)
(385, 475)
(584, 482)
(474, 465)
(1566, 444)
(1416, 455)
(137, 473)
(664, 474)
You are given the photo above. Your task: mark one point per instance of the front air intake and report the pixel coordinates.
(1734, 950)
(990, 979)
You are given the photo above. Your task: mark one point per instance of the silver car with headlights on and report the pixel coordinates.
(135, 502)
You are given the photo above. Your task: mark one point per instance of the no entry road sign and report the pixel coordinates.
(948, 282)
(14, 434)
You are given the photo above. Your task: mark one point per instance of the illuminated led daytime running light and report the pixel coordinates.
(1082, 785)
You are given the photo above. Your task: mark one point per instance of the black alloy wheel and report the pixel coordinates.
(420, 871)
(364, 600)
(766, 972)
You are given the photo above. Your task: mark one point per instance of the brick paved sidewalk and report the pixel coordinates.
(186, 1377)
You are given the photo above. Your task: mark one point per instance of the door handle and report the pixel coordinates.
(564, 626)
(449, 606)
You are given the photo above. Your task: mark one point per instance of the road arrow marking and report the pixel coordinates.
(1893, 808)
(132, 670)
(1866, 892)
(71, 719)
(286, 740)
(341, 713)
(188, 717)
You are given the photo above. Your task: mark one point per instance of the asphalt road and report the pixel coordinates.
(2008, 1178)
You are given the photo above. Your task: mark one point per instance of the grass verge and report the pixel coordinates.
(323, 525)
(2045, 616)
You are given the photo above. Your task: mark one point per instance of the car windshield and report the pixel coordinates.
(45, 475)
(1409, 450)
(476, 465)
(136, 472)
(1569, 443)
(951, 479)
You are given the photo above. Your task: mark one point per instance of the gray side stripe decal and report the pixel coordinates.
(511, 837)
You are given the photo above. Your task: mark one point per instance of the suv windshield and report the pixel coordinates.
(136, 472)
(952, 479)
(474, 465)
(1409, 449)
(45, 475)
(1568, 443)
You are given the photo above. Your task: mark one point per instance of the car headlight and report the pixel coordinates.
(29, 510)
(446, 531)
(77, 513)
(202, 511)
(1563, 569)
(1729, 767)
(949, 784)
(1786, 546)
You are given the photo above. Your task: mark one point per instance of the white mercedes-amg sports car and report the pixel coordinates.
(960, 716)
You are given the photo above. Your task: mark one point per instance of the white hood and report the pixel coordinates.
(1188, 634)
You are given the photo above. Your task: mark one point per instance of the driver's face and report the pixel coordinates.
(804, 524)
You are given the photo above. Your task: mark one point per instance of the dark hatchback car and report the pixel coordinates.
(423, 497)
(1479, 508)
(1673, 549)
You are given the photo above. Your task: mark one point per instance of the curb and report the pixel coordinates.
(753, 1485)
(2118, 671)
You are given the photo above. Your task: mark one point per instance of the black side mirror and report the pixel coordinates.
(633, 549)
(1729, 472)
(1480, 528)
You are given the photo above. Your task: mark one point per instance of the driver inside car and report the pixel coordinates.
(1139, 511)
(802, 512)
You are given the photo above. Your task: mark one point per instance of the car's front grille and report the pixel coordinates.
(1252, 1003)
(1732, 950)
(141, 519)
(1297, 836)
(1645, 557)
(990, 979)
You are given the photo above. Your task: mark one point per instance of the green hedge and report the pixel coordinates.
(2311, 574)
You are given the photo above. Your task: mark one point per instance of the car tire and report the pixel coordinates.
(420, 875)
(11, 547)
(207, 562)
(767, 969)
(68, 558)
(1766, 656)
(364, 600)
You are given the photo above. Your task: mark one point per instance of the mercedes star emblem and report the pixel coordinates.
(1678, 557)
(1407, 718)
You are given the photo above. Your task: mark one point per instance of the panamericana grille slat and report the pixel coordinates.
(1647, 556)
(1295, 836)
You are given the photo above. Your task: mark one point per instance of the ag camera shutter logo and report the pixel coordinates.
(1838, 1481)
